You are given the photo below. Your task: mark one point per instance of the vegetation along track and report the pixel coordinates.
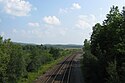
(61, 73)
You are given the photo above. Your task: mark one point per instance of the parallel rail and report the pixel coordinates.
(64, 70)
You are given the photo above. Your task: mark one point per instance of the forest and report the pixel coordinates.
(18, 60)
(104, 53)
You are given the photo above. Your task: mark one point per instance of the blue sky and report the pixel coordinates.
(52, 21)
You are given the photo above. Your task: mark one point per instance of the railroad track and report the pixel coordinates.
(62, 73)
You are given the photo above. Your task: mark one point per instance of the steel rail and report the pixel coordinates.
(56, 70)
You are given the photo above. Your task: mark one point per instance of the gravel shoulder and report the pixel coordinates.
(76, 73)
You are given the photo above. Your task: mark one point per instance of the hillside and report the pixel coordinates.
(68, 46)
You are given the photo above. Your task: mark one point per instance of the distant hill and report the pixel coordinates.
(72, 46)
(68, 46)
(24, 43)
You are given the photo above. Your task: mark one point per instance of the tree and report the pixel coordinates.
(55, 52)
(16, 66)
(107, 44)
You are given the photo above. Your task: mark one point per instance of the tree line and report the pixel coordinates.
(17, 60)
(104, 57)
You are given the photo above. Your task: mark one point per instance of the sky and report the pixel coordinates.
(52, 21)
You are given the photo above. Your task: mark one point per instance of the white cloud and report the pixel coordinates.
(46, 35)
(52, 20)
(28, 34)
(17, 7)
(86, 21)
(93, 19)
(61, 10)
(76, 6)
(82, 24)
(33, 24)
(39, 35)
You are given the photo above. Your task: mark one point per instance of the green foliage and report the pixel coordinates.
(33, 75)
(4, 60)
(16, 66)
(86, 46)
(112, 71)
(108, 47)
(90, 65)
(18, 60)
(55, 52)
